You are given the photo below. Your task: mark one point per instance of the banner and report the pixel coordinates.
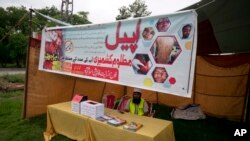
(155, 53)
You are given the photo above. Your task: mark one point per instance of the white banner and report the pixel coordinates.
(155, 53)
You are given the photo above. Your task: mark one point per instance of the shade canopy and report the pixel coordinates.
(224, 26)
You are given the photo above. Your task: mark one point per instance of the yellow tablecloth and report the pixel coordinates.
(60, 120)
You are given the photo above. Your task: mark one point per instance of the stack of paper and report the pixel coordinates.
(92, 109)
(76, 102)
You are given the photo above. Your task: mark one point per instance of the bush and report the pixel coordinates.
(15, 78)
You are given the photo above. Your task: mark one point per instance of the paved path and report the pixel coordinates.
(4, 71)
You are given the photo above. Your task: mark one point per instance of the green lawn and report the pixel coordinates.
(209, 129)
(14, 128)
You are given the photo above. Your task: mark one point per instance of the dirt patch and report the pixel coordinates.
(11, 86)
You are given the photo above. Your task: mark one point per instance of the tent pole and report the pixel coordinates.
(157, 97)
(103, 90)
(27, 66)
(125, 90)
(246, 107)
(246, 102)
(74, 86)
(194, 87)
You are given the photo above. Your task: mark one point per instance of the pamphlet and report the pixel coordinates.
(107, 117)
(104, 118)
(116, 121)
(132, 126)
(101, 119)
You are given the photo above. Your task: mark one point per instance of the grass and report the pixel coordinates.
(209, 129)
(14, 128)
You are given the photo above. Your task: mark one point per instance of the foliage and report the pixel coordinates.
(3, 17)
(4, 55)
(124, 13)
(14, 78)
(41, 22)
(80, 18)
(18, 45)
(14, 16)
(139, 9)
(136, 9)
(14, 30)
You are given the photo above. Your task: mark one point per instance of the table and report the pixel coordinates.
(61, 120)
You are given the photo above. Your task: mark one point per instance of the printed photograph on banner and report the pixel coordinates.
(148, 33)
(163, 24)
(160, 75)
(186, 31)
(165, 49)
(141, 64)
(53, 50)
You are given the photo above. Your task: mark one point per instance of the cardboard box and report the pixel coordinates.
(76, 103)
(92, 109)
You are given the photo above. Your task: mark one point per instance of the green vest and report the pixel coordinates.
(140, 108)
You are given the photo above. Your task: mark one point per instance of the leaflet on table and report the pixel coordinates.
(111, 118)
(132, 126)
(105, 118)
(116, 121)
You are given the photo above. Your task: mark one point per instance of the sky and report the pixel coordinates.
(103, 11)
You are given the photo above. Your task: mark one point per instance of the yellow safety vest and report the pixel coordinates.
(140, 108)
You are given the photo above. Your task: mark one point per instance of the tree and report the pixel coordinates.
(80, 18)
(14, 30)
(15, 21)
(18, 18)
(40, 22)
(3, 17)
(124, 13)
(136, 9)
(139, 9)
(18, 45)
(4, 55)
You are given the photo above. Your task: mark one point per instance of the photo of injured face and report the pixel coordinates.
(159, 74)
(163, 24)
(148, 33)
